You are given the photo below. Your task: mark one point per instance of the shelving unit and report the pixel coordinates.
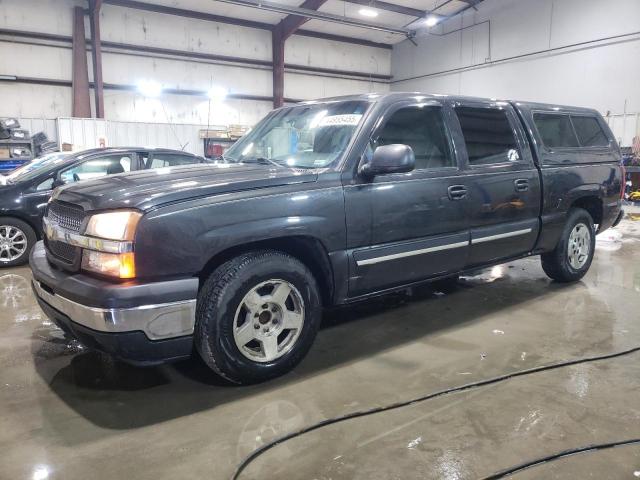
(9, 163)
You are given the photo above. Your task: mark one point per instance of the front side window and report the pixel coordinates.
(488, 135)
(423, 129)
(97, 167)
(589, 131)
(162, 160)
(555, 130)
(304, 136)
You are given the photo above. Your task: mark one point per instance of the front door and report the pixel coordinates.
(501, 182)
(406, 227)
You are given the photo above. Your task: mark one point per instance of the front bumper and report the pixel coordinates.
(137, 322)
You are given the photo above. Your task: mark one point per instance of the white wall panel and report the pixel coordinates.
(125, 25)
(309, 87)
(35, 61)
(87, 133)
(316, 52)
(129, 70)
(50, 16)
(132, 107)
(39, 101)
(603, 74)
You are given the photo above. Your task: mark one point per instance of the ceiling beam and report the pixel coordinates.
(210, 17)
(291, 23)
(272, 6)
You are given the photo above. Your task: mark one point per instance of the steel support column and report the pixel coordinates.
(277, 45)
(81, 106)
(281, 32)
(96, 50)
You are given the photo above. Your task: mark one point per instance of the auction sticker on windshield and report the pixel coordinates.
(333, 120)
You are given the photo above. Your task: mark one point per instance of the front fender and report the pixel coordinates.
(182, 241)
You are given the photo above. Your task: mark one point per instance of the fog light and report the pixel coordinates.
(119, 265)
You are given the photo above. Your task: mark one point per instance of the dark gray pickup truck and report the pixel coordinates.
(322, 203)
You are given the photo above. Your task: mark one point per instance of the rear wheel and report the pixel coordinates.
(257, 316)
(16, 240)
(572, 257)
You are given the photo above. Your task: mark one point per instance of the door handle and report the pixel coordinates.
(457, 192)
(522, 185)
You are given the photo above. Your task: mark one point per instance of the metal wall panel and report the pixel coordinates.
(35, 125)
(85, 133)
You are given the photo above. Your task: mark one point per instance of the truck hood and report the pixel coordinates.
(148, 189)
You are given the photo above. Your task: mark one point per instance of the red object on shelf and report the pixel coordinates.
(214, 150)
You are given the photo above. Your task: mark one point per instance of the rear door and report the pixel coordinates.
(501, 181)
(405, 227)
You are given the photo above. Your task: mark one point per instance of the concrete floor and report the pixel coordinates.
(69, 413)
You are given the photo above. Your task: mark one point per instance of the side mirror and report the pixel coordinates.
(395, 158)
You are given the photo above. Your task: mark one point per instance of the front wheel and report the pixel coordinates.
(572, 257)
(257, 316)
(16, 240)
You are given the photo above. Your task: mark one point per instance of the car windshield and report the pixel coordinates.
(34, 167)
(304, 136)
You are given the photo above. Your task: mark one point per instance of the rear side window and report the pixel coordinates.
(555, 130)
(488, 135)
(589, 131)
(422, 128)
(162, 160)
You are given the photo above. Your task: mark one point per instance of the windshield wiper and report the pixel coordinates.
(261, 161)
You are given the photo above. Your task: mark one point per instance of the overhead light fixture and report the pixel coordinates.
(149, 88)
(431, 21)
(217, 93)
(368, 12)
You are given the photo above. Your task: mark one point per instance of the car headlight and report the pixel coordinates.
(117, 225)
(110, 243)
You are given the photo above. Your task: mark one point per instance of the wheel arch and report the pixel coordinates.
(593, 204)
(307, 249)
(24, 219)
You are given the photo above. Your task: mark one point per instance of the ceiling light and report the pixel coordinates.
(149, 88)
(431, 21)
(217, 93)
(368, 12)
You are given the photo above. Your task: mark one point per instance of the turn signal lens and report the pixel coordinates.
(119, 265)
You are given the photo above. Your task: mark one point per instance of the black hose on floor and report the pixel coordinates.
(481, 383)
(565, 453)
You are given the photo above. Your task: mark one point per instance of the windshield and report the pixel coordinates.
(33, 168)
(304, 136)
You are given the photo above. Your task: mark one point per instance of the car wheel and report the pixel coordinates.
(16, 240)
(572, 257)
(257, 316)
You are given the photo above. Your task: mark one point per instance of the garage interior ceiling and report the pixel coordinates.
(403, 16)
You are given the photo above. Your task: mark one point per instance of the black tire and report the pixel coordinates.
(28, 234)
(222, 295)
(556, 263)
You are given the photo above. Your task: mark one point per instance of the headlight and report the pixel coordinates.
(118, 225)
(109, 249)
(119, 265)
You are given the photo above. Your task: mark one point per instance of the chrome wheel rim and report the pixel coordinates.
(268, 321)
(579, 246)
(13, 243)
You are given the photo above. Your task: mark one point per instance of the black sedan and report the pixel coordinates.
(25, 192)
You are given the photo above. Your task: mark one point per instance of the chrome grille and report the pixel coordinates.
(67, 216)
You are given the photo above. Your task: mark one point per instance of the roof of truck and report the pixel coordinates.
(395, 96)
